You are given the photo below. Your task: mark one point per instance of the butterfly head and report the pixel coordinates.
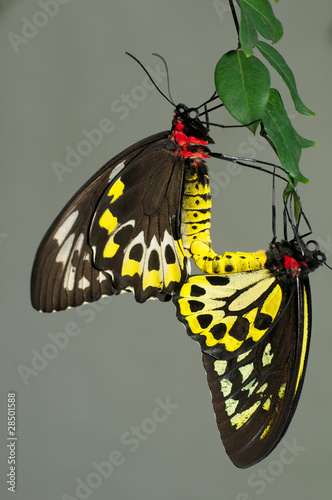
(286, 258)
(186, 121)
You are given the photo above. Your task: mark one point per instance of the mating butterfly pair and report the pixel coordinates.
(134, 226)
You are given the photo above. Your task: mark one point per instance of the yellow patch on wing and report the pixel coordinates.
(202, 304)
(281, 391)
(252, 294)
(267, 403)
(131, 267)
(152, 278)
(231, 343)
(110, 248)
(266, 430)
(108, 221)
(272, 302)
(305, 337)
(116, 190)
(173, 273)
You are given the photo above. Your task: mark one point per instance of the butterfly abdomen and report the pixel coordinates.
(195, 229)
(196, 206)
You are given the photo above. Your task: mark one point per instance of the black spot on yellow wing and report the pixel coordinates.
(218, 331)
(218, 280)
(195, 305)
(205, 320)
(169, 255)
(136, 252)
(197, 291)
(235, 311)
(262, 321)
(154, 262)
(240, 328)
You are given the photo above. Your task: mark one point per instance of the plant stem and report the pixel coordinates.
(235, 19)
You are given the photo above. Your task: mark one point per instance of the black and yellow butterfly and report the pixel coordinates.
(134, 225)
(254, 331)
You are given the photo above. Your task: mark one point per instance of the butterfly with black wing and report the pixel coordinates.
(134, 225)
(254, 331)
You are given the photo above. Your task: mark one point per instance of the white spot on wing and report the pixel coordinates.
(138, 240)
(267, 355)
(101, 277)
(83, 283)
(220, 366)
(230, 406)
(116, 170)
(65, 227)
(246, 371)
(65, 250)
(69, 278)
(251, 387)
(226, 387)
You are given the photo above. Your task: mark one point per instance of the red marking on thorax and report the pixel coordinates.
(184, 140)
(291, 263)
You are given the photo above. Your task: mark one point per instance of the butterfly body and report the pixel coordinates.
(254, 331)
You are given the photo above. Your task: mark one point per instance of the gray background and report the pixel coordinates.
(73, 411)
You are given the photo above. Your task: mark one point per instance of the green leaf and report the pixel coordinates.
(275, 98)
(279, 64)
(305, 143)
(263, 18)
(248, 33)
(289, 190)
(243, 84)
(297, 206)
(281, 133)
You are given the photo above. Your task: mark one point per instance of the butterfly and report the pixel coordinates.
(136, 223)
(254, 331)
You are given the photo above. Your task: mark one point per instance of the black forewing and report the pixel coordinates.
(135, 227)
(255, 396)
(63, 273)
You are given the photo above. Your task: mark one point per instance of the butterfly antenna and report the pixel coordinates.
(167, 73)
(152, 80)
